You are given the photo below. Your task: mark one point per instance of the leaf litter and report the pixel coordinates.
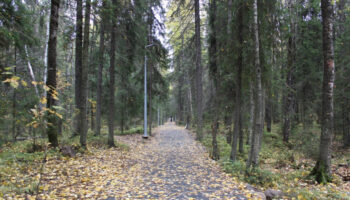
(169, 165)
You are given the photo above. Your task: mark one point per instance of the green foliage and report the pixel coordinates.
(283, 167)
(259, 177)
(134, 130)
(264, 178)
(15, 25)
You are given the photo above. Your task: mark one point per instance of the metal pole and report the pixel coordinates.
(145, 135)
(145, 101)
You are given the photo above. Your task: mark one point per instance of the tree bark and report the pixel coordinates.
(251, 113)
(45, 53)
(322, 170)
(100, 69)
(289, 99)
(150, 69)
(112, 80)
(237, 132)
(189, 109)
(51, 82)
(288, 114)
(268, 113)
(85, 68)
(79, 128)
(345, 103)
(32, 75)
(214, 73)
(179, 92)
(258, 118)
(14, 104)
(199, 86)
(346, 125)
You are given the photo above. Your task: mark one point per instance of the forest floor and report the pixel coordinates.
(286, 167)
(169, 165)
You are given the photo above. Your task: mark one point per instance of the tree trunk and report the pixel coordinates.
(189, 110)
(31, 73)
(251, 113)
(345, 103)
(346, 125)
(199, 86)
(179, 94)
(45, 54)
(84, 82)
(14, 104)
(112, 80)
(79, 128)
(51, 82)
(258, 118)
(92, 114)
(100, 69)
(214, 73)
(238, 133)
(322, 170)
(180, 80)
(268, 113)
(288, 114)
(289, 99)
(229, 19)
(228, 115)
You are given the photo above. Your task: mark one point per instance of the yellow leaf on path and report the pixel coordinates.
(30, 197)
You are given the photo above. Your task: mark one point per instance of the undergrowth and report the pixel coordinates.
(284, 167)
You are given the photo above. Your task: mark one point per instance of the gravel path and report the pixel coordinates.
(172, 165)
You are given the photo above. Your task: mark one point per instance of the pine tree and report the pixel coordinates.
(51, 75)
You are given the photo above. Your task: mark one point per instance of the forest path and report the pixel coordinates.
(172, 165)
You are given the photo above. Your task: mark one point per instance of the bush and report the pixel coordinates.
(135, 130)
(255, 176)
(260, 177)
(236, 168)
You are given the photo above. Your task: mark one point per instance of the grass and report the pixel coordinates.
(285, 167)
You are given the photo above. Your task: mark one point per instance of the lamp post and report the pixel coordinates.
(145, 135)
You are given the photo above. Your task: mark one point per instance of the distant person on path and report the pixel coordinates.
(171, 118)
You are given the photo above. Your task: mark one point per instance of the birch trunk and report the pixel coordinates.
(322, 170)
(258, 118)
